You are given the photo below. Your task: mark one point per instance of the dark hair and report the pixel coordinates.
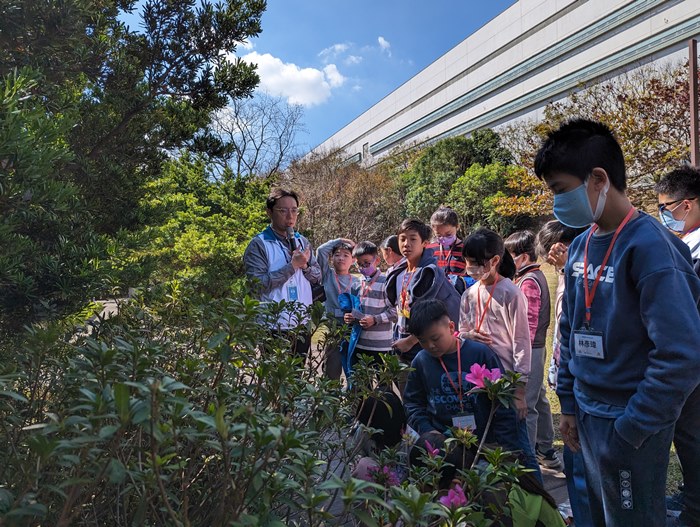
(681, 183)
(445, 216)
(521, 242)
(579, 146)
(364, 248)
(342, 245)
(483, 245)
(424, 314)
(418, 226)
(386, 414)
(553, 232)
(279, 193)
(391, 242)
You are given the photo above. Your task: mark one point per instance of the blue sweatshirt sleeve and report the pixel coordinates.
(415, 400)
(669, 302)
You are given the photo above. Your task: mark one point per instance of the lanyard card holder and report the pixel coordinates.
(464, 421)
(589, 343)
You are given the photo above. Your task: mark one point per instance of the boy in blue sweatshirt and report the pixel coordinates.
(630, 328)
(436, 395)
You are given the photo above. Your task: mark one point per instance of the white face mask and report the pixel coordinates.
(476, 272)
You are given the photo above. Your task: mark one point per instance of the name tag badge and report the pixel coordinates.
(589, 343)
(292, 293)
(464, 421)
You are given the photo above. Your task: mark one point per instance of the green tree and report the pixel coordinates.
(198, 226)
(439, 166)
(135, 94)
(50, 254)
(481, 197)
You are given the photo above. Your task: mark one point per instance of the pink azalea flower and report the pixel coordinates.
(455, 498)
(476, 375)
(493, 375)
(430, 449)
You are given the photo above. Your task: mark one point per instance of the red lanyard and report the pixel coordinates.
(404, 292)
(459, 374)
(449, 255)
(337, 282)
(486, 306)
(589, 294)
(366, 288)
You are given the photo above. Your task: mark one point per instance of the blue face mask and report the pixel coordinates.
(672, 223)
(573, 208)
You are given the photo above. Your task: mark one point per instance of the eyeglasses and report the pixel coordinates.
(664, 206)
(284, 212)
(365, 265)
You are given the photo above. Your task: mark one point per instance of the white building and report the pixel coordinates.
(534, 52)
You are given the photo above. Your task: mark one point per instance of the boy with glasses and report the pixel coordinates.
(679, 211)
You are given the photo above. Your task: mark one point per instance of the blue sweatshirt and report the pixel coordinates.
(430, 399)
(646, 306)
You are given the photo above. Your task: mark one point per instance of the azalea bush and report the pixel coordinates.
(172, 414)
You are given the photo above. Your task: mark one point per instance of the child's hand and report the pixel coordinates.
(403, 345)
(479, 336)
(367, 321)
(569, 432)
(348, 318)
(557, 255)
(519, 402)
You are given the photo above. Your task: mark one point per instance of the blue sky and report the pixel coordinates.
(338, 58)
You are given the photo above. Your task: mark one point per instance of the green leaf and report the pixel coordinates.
(108, 431)
(364, 517)
(116, 472)
(14, 395)
(220, 423)
(121, 401)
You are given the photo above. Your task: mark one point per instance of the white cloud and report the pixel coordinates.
(305, 86)
(332, 52)
(356, 88)
(384, 45)
(353, 59)
(246, 45)
(333, 76)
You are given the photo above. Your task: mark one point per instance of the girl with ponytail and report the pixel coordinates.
(494, 310)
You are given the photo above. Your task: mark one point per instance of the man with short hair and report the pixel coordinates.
(679, 211)
(280, 264)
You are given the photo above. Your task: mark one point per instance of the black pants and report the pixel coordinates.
(687, 441)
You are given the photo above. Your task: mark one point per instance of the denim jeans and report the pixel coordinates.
(576, 487)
